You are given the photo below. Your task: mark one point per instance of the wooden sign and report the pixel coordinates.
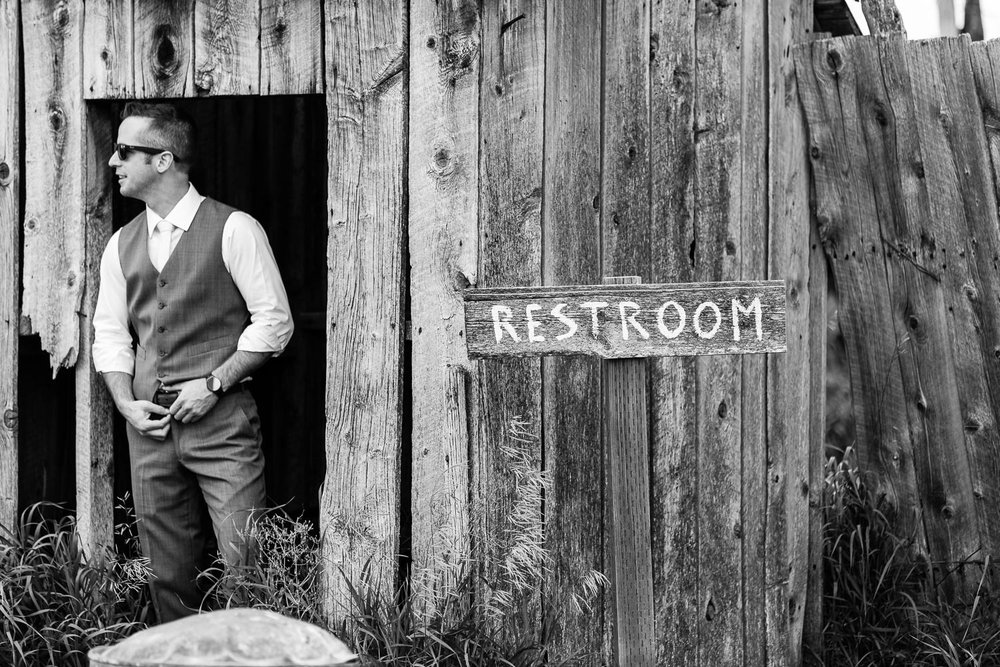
(623, 321)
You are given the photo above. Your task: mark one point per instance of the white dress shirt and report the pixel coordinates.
(247, 256)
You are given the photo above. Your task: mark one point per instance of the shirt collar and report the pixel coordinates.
(181, 215)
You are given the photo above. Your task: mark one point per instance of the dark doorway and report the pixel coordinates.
(268, 157)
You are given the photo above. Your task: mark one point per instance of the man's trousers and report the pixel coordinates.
(215, 462)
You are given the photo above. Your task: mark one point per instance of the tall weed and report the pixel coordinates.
(55, 602)
(883, 603)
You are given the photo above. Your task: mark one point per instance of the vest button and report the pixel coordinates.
(161, 305)
(161, 329)
(163, 283)
(163, 353)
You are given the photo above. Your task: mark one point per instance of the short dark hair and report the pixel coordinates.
(171, 129)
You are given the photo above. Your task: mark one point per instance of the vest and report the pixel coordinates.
(187, 319)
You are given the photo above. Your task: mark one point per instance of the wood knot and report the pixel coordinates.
(71, 279)
(31, 224)
(205, 80)
(10, 419)
(948, 512)
(60, 17)
(835, 61)
(5, 178)
(710, 609)
(814, 152)
(56, 117)
(723, 410)
(164, 52)
(973, 426)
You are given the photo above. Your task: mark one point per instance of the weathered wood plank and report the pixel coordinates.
(107, 49)
(360, 500)
(164, 49)
(720, 246)
(790, 383)
(571, 394)
(827, 86)
(54, 273)
(10, 242)
(674, 460)
(754, 130)
(625, 219)
(443, 209)
(883, 17)
(94, 408)
(962, 185)
(511, 105)
(227, 47)
(623, 322)
(626, 439)
(291, 48)
(921, 309)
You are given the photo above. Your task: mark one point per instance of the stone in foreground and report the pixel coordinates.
(227, 637)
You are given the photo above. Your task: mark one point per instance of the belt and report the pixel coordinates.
(166, 398)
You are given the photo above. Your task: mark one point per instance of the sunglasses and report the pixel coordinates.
(125, 151)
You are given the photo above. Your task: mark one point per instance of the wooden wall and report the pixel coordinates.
(903, 145)
(489, 144)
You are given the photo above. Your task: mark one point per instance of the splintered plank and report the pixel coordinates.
(291, 48)
(674, 443)
(846, 214)
(107, 49)
(359, 507)
(625, 230)
(94, 429)
(10, 182)
(443, 209)
(720, 246)
(789, 552)
(54, 272)
(571, 386)
(506, 460)
(227, 47)
(164, 49)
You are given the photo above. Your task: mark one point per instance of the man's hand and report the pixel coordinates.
(149, 419)
(193, 402)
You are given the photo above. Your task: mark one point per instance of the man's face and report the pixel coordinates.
(138, 173)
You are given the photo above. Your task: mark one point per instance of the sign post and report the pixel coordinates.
(623, 321)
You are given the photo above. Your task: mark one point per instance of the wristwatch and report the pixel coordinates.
(214, 385)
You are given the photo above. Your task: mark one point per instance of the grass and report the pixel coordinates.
(55, 602)
(884, 603)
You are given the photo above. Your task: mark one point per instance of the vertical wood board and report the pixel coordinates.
(571, 392)
(227, 47)
(54, 272)
(360, 500)
(94, 408)
(625, 249)
(674, 446)
(719, 250)
(10, 242)
(443, 208)
(827, 83)
(791, 401)
(758, 619)
(507, 504)
(164, 49)
(291, 47)
(107, 49)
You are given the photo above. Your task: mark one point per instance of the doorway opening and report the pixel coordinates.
(267, 156)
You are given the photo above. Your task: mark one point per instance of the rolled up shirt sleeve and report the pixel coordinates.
(249, 259)
(112, 347)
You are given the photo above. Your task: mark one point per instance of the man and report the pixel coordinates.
(194, 283)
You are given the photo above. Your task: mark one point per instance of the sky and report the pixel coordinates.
(921, 19)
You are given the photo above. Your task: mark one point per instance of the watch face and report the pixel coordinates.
(214, 383)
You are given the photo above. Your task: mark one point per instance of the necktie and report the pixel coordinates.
(161, 243)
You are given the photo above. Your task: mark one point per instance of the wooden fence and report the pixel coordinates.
(493, 144)
(903, 139)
